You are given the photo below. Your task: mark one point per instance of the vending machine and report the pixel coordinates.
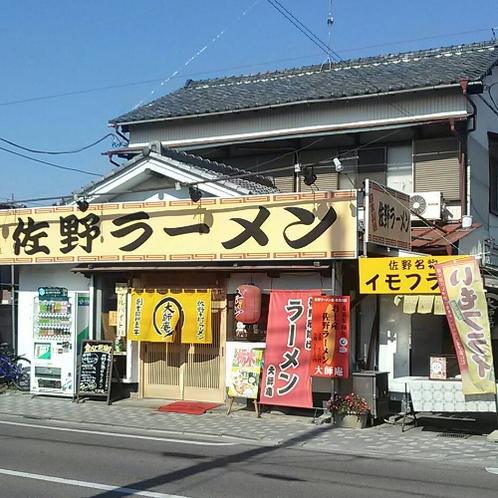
(61, 320)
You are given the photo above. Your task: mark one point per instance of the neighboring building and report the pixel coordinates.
(9, 279)
(417, 122)
(423, 122)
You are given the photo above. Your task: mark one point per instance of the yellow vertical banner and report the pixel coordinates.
(197, 327)
(467, 314)
(140, 315)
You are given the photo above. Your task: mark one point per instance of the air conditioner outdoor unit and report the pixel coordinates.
(429, 205)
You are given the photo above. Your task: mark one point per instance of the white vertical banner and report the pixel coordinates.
(121, 293)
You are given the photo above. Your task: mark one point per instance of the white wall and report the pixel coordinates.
(286, 281)
(33, 276)
(479, 160)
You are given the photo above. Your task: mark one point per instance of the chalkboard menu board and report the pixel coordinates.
(95, 367)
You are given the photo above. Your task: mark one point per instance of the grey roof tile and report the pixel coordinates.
(386, 73)
(255, 184)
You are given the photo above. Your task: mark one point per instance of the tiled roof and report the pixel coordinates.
(203, 168)
(386, 73)
(257, 185)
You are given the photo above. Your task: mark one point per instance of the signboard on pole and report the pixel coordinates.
(387, 216)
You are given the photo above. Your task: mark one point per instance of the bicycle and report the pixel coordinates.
(14, 369)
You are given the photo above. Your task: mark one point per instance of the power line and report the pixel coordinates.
(58, 166)
(232, 177)
(227, 69)
(316, 40)
(35, 151)
(299, 25)
(199, 52)
(491, 96)
(220, 179)
(411, 40)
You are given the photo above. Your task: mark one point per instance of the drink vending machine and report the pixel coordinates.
(61, 321)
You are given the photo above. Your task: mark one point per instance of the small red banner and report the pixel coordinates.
(286, 378)
(330, 337)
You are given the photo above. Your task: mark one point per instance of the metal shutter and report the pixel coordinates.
(285, 183)
(437, 168)
(326, 180)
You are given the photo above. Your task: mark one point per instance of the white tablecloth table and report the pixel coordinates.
(443, 396)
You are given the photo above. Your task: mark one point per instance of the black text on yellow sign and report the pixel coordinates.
(410, 275)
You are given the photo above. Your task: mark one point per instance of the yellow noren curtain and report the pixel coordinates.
(156, 317)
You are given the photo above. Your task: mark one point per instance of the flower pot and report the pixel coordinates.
(351, 421)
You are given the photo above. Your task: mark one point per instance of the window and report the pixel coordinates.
(493, 173)
(399, 168)
(390, 165)
(436, 163)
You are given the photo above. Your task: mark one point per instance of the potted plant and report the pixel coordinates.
(349, 411)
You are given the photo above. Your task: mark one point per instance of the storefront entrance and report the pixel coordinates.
(188, 371)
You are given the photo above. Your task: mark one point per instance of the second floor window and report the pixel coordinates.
(389, 165)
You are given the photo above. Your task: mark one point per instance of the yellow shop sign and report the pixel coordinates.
(321, 225)
(400, 275)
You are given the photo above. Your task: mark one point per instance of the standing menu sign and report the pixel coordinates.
(245, 373)
(95, 366)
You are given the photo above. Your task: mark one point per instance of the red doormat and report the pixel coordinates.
(190, 407)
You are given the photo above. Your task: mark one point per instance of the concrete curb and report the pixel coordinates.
(225, 434)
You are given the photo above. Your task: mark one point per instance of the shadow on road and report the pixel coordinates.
(216, 463)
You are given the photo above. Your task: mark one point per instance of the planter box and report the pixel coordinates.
(351, 421)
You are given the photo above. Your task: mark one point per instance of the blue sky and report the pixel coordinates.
(69, 66)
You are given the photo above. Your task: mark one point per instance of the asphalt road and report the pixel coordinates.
(44, 459)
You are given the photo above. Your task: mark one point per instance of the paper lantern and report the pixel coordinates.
(247, 304)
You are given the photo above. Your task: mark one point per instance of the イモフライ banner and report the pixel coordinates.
(467, 313)
(157, 317)
(330, 337)
(286, 378)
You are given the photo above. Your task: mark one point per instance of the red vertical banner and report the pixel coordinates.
(286, 378)
(330, 337)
